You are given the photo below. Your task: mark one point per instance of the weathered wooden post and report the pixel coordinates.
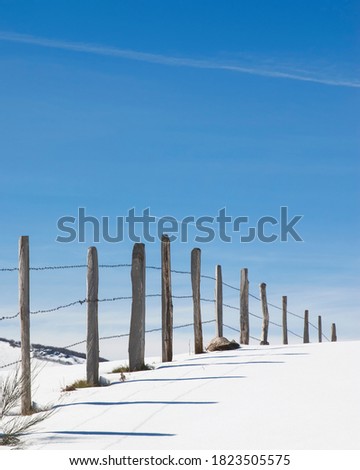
(195, 283)
(218, 302)
(320, 328)
(265, 311)
(166, 301)
(24, 306)
(92, 337)
(137, 324)
(333, 332)
(284, 319)
(244, 307)
(306, 327)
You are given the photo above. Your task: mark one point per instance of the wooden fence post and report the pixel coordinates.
(333, 332)
(166, 301)
(284, 319)
(24, 306)
(218, 302)
(265, 310)
(92, 337)
(244, 307)
(195, 283)
(137, 325)
(320, 328)
(306, 327)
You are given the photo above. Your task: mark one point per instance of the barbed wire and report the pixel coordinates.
(238, 331)
(77, 266)
(60, 307)
(104, 338)
(10, 317)
(113, 299)
(10, 364)
(121, 265)
(69, 266)
(124, 335)
(278, 308)
(260, 318)
(108, 299)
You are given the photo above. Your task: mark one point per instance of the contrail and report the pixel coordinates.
(172, 61)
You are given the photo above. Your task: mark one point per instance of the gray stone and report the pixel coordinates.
(220, 343)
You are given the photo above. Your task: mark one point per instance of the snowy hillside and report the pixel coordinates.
(10, 353)
(268, 397)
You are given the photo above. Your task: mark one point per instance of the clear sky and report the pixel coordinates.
(185, 108)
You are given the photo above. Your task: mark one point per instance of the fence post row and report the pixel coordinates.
(195, 284)
(265, 310)
(244, 307)
(284, 319)
(166, 301)
(137, 327)
(218, 302)
(306, 327)
(92, 337)
(137, 324)
(24, 308)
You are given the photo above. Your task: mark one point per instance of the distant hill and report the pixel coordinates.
(39, 351)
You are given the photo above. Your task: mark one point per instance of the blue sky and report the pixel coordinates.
(185, 108)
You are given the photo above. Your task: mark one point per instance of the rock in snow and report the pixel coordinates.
(220, 343)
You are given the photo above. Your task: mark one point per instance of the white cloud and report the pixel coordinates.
(268, 70)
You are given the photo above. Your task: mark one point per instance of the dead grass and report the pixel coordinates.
(126, 368)
(81, 383)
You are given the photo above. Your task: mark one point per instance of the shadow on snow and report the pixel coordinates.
(114, 433)
(148, 402)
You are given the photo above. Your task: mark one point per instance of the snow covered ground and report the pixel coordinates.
(303, 396)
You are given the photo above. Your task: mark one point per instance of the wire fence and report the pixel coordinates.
(83, 301)
(113, 299)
